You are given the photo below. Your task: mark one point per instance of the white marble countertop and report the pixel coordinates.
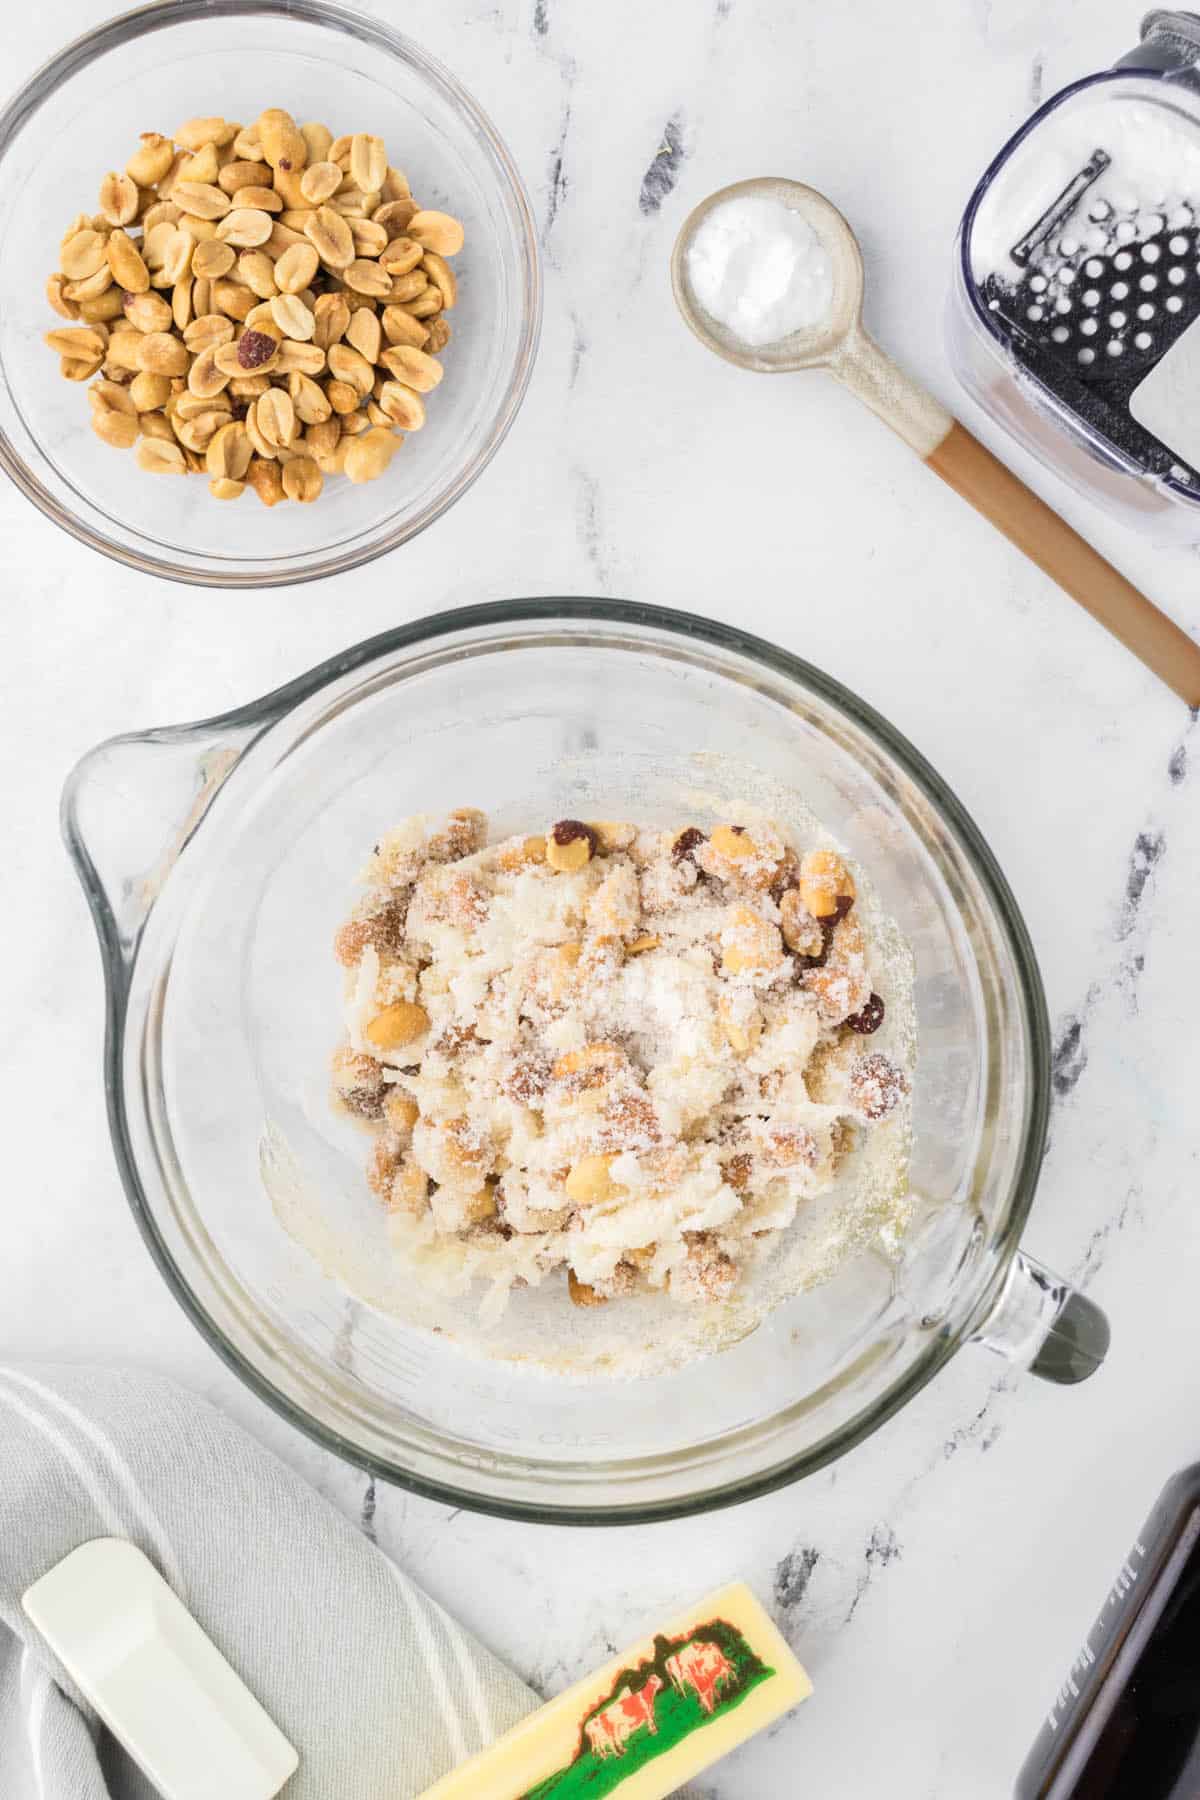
(937, 1580)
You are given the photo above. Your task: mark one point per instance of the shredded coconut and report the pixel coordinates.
(621, 1076)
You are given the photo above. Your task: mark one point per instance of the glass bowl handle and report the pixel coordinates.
(129, 807)
(1043, 1323)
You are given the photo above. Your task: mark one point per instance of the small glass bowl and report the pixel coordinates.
(149, 71)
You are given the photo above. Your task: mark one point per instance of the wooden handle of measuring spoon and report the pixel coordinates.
(971, 470)
(992, 489)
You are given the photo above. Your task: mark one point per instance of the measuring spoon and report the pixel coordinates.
(841, 345)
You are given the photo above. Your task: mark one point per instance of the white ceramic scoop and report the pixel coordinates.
(158, 1682)
(841, 345)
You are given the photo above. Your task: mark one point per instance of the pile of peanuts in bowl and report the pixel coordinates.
(264, 304)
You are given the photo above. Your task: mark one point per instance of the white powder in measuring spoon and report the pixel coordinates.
(760, 269)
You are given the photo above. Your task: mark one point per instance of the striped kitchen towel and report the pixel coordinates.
(378, 1688)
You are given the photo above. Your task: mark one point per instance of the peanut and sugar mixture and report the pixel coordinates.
(615, 1057)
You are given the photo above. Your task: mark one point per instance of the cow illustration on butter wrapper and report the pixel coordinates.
(656, 1715)
(651, 1707)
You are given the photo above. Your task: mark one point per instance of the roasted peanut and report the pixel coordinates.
(266, 478)
(91, 287)
(158, 457)
(248, 145)
(441, 277)
(308, 398)
(124, 259)
(750, 944)
(436, 231)
(293, 318)
(826, 884)
(201, 165)
(332, 317)
(73, 369)
(275, 417)
(365, 334)
(83, 344)
(368, 162)
(570, 845)
(229, 452)
(115, 426)
(401, 255)
(295, 356)
(207, 332)
(163, 354)
(149, 164)
(148, 393)
(65, 308)
(257, 270)
(348, 365)
(194, 134)
(397, 1026)
(103, 308)
(256, 199)
(581, 1293)
(402, 406)
(742, 1027)
(801, 931)
(203, 199)
(245, 227)
(239, 174)
(302, 480)
(296, 268)
(369, 238)
(282, 238)
(410, 287)
(590, 1182)
(212, 258)
(282, 144)
(366, 277)
(82, 254)
(400, 327)
(413, 367)
(232, 297)
(317, 139)
(369, 455)
(394, 215)
(426, 305)
(205, 379)
(591, 1067)
(118, 198)
(319, 182)
(329, 235)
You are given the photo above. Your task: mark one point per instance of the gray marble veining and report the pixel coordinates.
(937, 1580)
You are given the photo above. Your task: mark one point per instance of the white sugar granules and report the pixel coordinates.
(760, 269)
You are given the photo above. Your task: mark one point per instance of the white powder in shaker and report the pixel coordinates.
(1154, 173)
(760, 269)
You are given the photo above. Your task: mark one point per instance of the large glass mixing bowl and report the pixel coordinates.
(217, 858)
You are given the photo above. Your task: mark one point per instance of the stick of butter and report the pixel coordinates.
(652, 1718)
